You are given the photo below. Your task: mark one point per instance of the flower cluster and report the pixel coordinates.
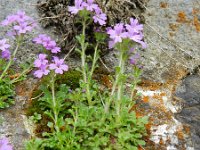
(44, 67)
(5, 145)
(47, 42)
(5, 53)
(42, 62)
(121, 31)
(21, 23)
(99, 16)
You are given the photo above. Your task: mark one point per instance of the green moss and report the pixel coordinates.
(71, 78)
(33, 107)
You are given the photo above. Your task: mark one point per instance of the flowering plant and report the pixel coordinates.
(86, 116)
(19, 25)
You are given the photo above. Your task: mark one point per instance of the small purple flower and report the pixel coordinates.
(41, 60)
(89, 5)
(40, 39)
(138, 38)
(49, 44)
(21, 16)
(3, 45)
(118, 33)
(9, 20)
(134, 26)
(58, 65)
(75, 9)
(99, 17)
(5, 145)
(6, 54)
(133, 59)
(132, 49)
(55, 49)
(111, 44)
(22, 28)
(11, 33)
(42, 71)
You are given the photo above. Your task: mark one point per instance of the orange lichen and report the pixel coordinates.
(196, 23)
(146, 99)
(161, 142)
(157, 96)
(173, 26)
(186, 129)
(180, 135)
(163, 5)
(195, 11)
(171, 34)
(163, 94)
(153, 86)
(182, 17)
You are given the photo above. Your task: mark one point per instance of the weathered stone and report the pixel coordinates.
(189, 91)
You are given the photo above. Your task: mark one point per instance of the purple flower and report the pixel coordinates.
(133, 59)
(6, 54)
(137, 38)
(22, 28)
(55, 49)
(9, 20)
(21, 16)
(11, 33)
(111, 44)
(99, 17)
(134, 26)
(42, 71)
(41, 60)
(75, 9)
(58, 66)
(40, 39)
(89, 5)
(118, 33)
(132, 49)
(5, 145)
(47, 42)
(3, 45)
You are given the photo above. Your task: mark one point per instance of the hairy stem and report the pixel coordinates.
(120, 83)
(84, 67)
(55, 112)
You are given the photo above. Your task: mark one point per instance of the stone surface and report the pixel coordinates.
(189, 91)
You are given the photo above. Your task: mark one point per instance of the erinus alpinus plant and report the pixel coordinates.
(88, 117)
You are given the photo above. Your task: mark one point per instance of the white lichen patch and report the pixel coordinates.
(160, 97)
(166, 132)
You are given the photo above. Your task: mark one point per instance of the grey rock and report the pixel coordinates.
(190, 113)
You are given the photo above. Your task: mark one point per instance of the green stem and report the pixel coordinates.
(114, 84)
(83, 48)
(95, 58)
(120, 83)
(10, 61)
(23, 73)
(83, 59)
(54, 103)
